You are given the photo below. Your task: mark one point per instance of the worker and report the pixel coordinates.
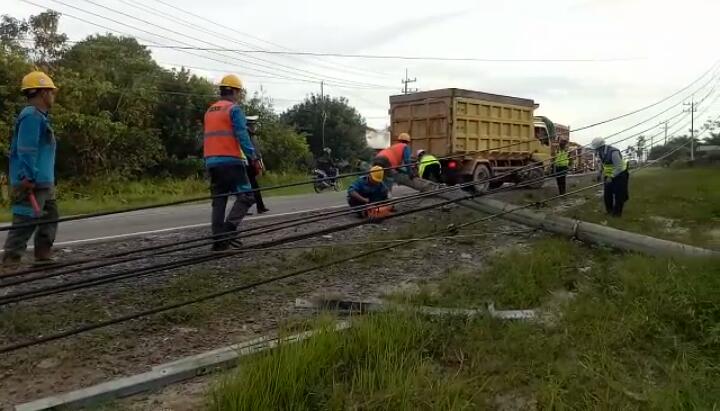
(368, 189)
(32, 173)
(428, 166)
(614, 173)
(393, 157)
(257, 167)
(227, 148)
(562, 163)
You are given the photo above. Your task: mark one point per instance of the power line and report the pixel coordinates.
(397, 57)
(211, 296)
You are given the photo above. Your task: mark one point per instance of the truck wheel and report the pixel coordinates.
(535, 178)
(482, 173)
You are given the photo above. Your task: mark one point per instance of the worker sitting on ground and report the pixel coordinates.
(428, 166)
(614, 173)
(368, 189)
(393, 157)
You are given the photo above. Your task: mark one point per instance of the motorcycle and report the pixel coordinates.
(325, 180)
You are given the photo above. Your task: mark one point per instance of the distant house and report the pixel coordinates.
(707, 149)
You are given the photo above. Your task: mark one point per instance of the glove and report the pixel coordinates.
(27, 185)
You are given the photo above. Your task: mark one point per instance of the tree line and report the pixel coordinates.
(119, 114)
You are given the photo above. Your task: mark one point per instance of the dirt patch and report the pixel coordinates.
(669, 225)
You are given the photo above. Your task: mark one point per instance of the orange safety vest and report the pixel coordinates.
(394, 154)
(219, 138)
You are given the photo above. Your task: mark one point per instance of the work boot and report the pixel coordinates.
(43, 255)
(263, 210)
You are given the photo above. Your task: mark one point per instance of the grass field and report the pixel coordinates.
(98, 195)
(675, 204)
(617, 332)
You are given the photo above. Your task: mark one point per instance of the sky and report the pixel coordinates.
(648, 50)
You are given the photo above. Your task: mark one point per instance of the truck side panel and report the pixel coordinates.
(481, 125)
(427, 121)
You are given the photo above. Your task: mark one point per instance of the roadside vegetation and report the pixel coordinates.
(616, 331)
(679, 204)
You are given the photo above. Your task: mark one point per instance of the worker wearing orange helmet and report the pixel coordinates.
(368, 189)
(395, 156)
(227, 148)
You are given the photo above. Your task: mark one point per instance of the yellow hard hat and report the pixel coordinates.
(231, 81)
(404, 137)
(36, 79)
(376, 174)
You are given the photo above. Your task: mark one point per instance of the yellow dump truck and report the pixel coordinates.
(486, 134)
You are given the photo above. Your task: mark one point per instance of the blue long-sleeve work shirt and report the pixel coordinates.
(239, 124)
(372, 191)
(407, 159)
(32, 149)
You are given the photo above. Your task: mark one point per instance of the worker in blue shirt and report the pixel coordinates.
(368, 189)
(227, 148)
(32, 173)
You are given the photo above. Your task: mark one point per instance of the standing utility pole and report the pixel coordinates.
(665, 123)
(692, 111)
(324, 114)
(407, 81)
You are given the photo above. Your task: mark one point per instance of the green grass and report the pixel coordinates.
(640, 333)
(675, 204)
(99, 195)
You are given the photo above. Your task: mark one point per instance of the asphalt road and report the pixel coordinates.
(159, 220)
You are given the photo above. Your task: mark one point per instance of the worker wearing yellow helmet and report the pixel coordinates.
(32, 172)
(228, 149)
(367, 189)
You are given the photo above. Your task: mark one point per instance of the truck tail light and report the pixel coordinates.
(452, 165)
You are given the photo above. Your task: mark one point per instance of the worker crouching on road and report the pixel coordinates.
(32, 173)
(428, 166)
(369, 189)
(256, 165)
(393, 157)
(561, 166)
(227, 148)
(614, 173)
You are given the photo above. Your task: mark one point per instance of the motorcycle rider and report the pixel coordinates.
(326, 164)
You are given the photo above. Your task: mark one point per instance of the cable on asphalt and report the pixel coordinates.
(211, 296)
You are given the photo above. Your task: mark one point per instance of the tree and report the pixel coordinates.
(49, 44)
(344, 128)
(283, 149)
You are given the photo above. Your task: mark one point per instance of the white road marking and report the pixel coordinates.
(185, 227)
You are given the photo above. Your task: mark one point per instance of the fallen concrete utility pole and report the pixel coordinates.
(578, 229)
(350, 306)
(166, 374)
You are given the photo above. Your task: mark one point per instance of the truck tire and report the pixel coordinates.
(481, 173)
(536, 176)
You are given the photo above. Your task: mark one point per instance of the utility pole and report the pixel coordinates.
(692, 111)
(407, 81)
(665, 123)
(324, 114)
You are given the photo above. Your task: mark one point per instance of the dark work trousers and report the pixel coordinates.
(252, 175)
(227, 179)
(17, 238)
(353, 202)
(616, 193)
(561, 179)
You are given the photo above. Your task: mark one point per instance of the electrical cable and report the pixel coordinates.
(210, 296)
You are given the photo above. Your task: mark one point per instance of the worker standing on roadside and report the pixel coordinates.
(368, 189)
(257, 167)
(614, 173)
(227, 148)
(428, 166)
(32, 173)
(562, 163)
(396, 155)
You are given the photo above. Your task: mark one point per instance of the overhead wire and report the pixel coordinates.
(210, 296)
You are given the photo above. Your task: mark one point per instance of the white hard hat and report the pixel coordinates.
(597, 143)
